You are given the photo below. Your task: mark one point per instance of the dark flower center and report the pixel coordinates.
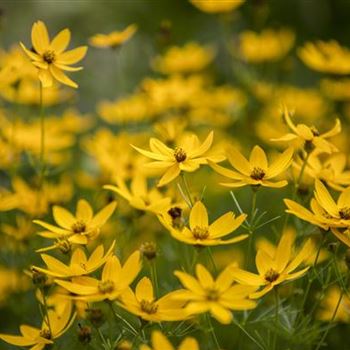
(257, 173)
(200, 232)
(106, 286)
(271, 275)
(49, 56)
(344, 213)
(149, 307)
(79, 226)
(45, 333)
(180, 154)
(212, 295)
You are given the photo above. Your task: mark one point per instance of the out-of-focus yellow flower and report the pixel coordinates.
(329, 304)
(171, 129)
(11, 281)
(113, 39)
(309, 138)
(50, 57)
(38, 339)
(160, 342)
(144, 304)
(79, 264)
(268, 46)
(338, 90)
(326, 57)
(80, 228)
(114, 281)
(219, 297)
(139, 196)
(188, 156)
(275, 266)
(190, 58)
(200, 233)
(256, 171)
(217, 6)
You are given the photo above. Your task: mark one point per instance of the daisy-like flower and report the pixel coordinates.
(39, 338)
(113, 39)
(143, 303)
(214, 6)
(218, 297)
(160, 342)
(139, 196)
(79, 264)
(200, 233)
(80, 228)
(114, 281)
(50, 57)
(188, 157)
(256, 171)
(309, 138)
(275, 266)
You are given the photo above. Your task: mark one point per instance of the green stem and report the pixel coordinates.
(46, 310)
(42, 139)
(188, 193)
(117, 316)
(248, 335)
(276, 317)
(212, 332)
(154, 276)
(212, 260)
(251, 228)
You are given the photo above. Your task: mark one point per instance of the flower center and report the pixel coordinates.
(49, 56)
(314, 131)
(180, 154)
(200, 232)
(45, 333)
(79, 226)
(149, 307)
(271, 275)
(212, 295)
(106, 286)
(257, 173)
(344, 213)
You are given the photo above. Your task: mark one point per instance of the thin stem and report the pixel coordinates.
(276, 317)
(46, 310)
(251, 228)
(154, 276)
(248, 335)
(212, 332)
(212, 260)
(132, 328)
(188, 193)
(42, 138)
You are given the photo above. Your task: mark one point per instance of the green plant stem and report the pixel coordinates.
(248, 335)
(42, 139)
(186, 187)
(212, 260)
(46, 310)
(251, 229)
(154, 276)
(276, 317)
(127, 323)
(212, 332)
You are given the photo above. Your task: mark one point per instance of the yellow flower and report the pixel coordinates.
(268, 46)
(113, 39)
(114, 281)
(50, 57)
(215, 6)
(79, 264)
(309, 137)
(326, 213)
(200, 233)
(275, 266)
(80, 228)
(139, 196)
(326, 57)
(38, 338)
(183, 60)
(160, 342)
(256, 171)
(218, 297)
(188, 156)
(143, 303)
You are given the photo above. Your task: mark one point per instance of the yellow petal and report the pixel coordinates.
(223, 315)
(199, 216)
(131, 268)
(281, 163)
(45, 78)
(204, 147)
(84, 211)
(61, 41)
(103, 215)
(258, 158)
(189, 282)
(159, 341)
(40, 37)
(225, 224)
(224, 171)
(72, 56)
(144, 290)
(324, 199)
(284, 250)
(246, 277)
(238, 161)
(189, 344)
(204, 277)
(17, 340)
(61, 77)
(63, 217)
(172, 173)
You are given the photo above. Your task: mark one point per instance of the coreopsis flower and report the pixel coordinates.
(268, 46)
(188, 156)
(309, 138)
(80, 228)
(200, 232)
(329, 304)
(139, 196)
(275, 266)
(39, 338)
(219, 297)
(330, 171)
(114, 281)
(143, 303)
(160, 342)
(79, 264)
(113, 39)
(256, 171)
(190, 58)
(326, 213)
(50, 57)
(214, 6)
(326, 57)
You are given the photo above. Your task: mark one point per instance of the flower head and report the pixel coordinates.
(50, 57)
(214, 6)
(256, 171)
